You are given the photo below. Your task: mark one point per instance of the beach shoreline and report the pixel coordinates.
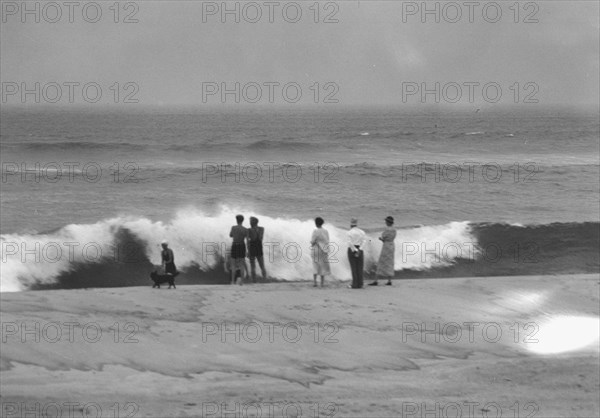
(288, 349)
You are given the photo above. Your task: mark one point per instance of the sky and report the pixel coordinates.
(165, 53)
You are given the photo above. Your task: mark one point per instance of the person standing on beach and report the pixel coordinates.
(231, 268)
(319, 243)
(238, 249)
(255, 248)
(385, 265)
(168, 260)
(356, 241)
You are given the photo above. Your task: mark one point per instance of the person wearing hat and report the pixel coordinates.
(356, 242)
(168, 260)
(385, 265)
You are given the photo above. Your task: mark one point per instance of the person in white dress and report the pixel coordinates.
(385, 265)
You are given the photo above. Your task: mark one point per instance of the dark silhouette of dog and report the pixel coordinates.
(159, 279)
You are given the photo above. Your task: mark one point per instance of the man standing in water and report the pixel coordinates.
(356, 241)
(255, 248)
(168, 260)
(238, 249)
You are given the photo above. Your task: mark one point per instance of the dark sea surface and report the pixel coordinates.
(88, 194)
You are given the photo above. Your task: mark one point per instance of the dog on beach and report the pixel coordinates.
(159, 279)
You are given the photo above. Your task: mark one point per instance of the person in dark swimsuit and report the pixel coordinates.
(255, 248)
(238, 249)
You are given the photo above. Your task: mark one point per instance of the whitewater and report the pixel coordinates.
(200, 242)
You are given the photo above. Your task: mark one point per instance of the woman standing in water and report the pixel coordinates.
(319, 243)
(385, 265)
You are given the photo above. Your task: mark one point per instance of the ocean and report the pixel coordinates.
(89, 193)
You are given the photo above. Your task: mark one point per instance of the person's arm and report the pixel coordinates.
(313, 238)
(385, 236)
(247, 241)
(231, 233)
(261, 233)
(170, 257)
(162, 258)
(325, 246)
(350, 244)
(363, 239)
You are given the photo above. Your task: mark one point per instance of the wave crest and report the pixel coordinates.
(122, 251)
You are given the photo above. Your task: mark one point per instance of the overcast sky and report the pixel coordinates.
(368, 54)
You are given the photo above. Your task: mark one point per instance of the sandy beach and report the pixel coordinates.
(140, 139)
(495, 346)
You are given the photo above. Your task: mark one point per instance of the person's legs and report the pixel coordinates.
(359, 268)
(244, 275)
(170, 268)
(315, 279)
(235, 250)
(253, 268)
(322, 280)
(261, 263)
(352, 260)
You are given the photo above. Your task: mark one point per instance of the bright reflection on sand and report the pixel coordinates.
(530, 299)
(520, 301)
(565, 333)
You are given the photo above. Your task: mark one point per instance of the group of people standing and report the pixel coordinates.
(236, 262)
(254, 236)
(357, 239)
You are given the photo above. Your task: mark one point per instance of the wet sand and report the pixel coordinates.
(495, 346)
